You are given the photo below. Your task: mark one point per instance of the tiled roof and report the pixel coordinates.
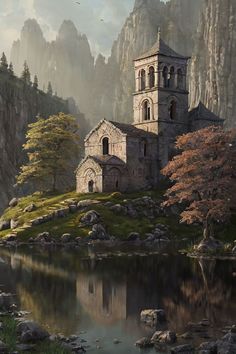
(131, 130)
(202, 113)
(161, 48)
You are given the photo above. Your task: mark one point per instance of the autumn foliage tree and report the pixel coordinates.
(52, 146)
(204, 177)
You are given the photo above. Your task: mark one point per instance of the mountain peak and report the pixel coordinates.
(67, 30)
(32, 27)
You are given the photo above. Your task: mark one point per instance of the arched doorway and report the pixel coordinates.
(91, 186)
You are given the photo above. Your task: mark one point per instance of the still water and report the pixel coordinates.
(100, 295)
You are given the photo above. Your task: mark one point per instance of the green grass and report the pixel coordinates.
(8, 335)
(117, 225)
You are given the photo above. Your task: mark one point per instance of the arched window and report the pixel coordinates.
(144, 148)
(142, 80)
(171, 81)
(165, 76)
(146, 110)
(179, 79)
(105, 146)
(91, 186)
(151, 77)
(173, 109)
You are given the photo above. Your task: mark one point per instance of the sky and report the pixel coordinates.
(50, 14)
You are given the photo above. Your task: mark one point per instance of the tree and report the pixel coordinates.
(36, 82)
(10, 69)
(51, 146)
(25, 76)
(204, 176)
(3, 62)
(49, 90)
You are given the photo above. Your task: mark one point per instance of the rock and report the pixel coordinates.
(133, 236)
(13, 202)
(98, 233)
(10, 238)
(73, 208)
(31, 207)
(183, 349)
(6, 301)
(91, 217)
(30, 331)
(118, 209)
(62, 213)
(208, 348)
(116, 341)
(3, 348)
(144, 343)
(5, 225)
(43, 237)
(86, 203)
(187, 336)
(25, 347)
(14, 223)
(209, 245)
(153, 317)
(167, 337)
(65, 238)
(234, 250)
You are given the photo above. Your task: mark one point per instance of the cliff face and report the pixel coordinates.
(19, 105)
(213, 75)
(105, 89)
(178, 22)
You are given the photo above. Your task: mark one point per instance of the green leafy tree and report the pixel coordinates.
(3, 62)
(204, 177)
(52, 144)
(25, 76)
(49, 89)
(36, 82)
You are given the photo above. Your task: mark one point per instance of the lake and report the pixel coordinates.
(100, 294)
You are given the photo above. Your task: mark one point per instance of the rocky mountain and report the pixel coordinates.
(104, 89)
(19, 106)
(213, 76)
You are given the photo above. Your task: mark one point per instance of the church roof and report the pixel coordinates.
(132, 131)
(202, 113)
(127, 129)
(161, 48)
(103, 160)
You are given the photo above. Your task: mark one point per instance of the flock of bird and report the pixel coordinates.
(78, 3)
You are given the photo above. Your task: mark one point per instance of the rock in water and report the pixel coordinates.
(167, 337)
(152, 317)
(30, 331)
(144, 343)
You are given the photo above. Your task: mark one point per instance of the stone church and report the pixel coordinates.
(127, 157)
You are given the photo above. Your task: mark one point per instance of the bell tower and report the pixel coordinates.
(160, 100)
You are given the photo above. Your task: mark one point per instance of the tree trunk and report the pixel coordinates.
(208, 229)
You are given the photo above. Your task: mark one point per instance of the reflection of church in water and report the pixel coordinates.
(127, 157)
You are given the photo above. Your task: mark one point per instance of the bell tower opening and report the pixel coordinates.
(146, 110)
(105, 146)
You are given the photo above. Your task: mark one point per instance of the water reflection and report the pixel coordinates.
(70, 292)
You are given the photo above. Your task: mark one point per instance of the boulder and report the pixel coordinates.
(167, 337)
(13, 202)
(208, 348)
(31, 207)
(153, 317)
(234, 250)
(133, 236)
(30, 331)
(73, 208)
(62, 213)
(65, 238)
(86, 203)
(209, 245)
(183, 349)
(10, 238)
(98, 233)
(5, 225)
(119, 209)
(6, 301)
(43, 237)
(144, 343)
(14, 223)
(90, 218)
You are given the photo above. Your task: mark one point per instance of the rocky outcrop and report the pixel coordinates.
(213, 77)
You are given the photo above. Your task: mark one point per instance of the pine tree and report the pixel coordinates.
(52, 146)
(25, 76)
(36, 82)
(49, 90)
(3, 62)
(10, 69)
(204, 177)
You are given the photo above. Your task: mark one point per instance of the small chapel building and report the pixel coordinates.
(128, 157)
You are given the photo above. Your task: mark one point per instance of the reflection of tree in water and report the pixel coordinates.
(208, 294)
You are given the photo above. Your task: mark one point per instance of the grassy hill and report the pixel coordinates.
(117, 225)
